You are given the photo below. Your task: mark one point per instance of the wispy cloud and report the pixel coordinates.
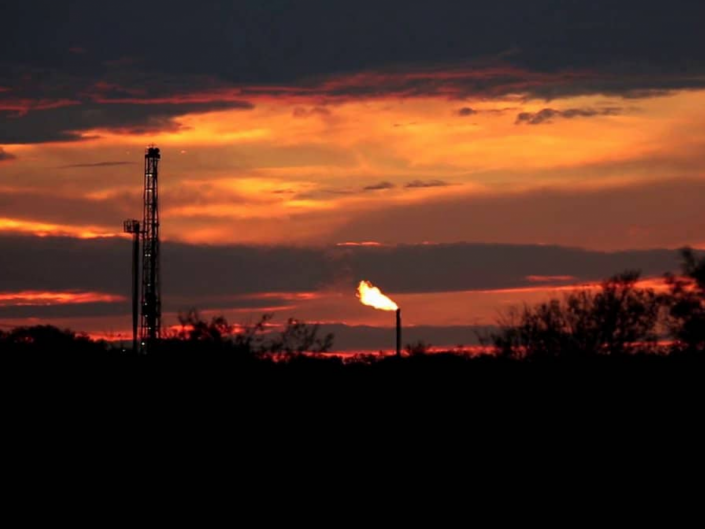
(466, 111)
(379, 187)
(364, 244)
(547, 115)
(43, 298)
(417, 184)
(97, 164)
(64, 120)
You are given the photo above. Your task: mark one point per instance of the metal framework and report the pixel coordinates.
(133, 227)
(150, 327)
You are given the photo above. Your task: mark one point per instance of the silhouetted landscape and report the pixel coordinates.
(427, 194)
(618, 328)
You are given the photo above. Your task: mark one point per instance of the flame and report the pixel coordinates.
(371, 296)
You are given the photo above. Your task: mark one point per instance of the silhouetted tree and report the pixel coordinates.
(299, 337)
(195, 328)
(199, 336)
(617, 319)
(217, 335)
(50, 341)
(250, 338)
(686, 304)
(418, 348)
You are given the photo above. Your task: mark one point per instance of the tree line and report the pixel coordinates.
(618, 319)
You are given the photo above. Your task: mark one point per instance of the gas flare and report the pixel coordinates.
(371, 296)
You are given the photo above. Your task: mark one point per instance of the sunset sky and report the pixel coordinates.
(463, 156)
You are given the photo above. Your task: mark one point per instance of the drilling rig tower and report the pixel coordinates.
(150, 326)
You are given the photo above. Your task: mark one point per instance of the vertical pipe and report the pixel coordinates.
(135, 287)
(398, 332)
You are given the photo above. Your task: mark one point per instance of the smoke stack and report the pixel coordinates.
(133, 227)
(398, 332)
(371, 296)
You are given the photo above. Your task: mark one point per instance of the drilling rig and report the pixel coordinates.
(148, 231)
(150, 327)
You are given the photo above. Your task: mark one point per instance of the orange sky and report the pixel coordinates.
(294, 171)
(378, 171)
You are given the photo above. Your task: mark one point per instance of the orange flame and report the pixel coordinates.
(371, 296)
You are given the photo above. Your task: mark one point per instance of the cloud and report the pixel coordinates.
(6, 156)
(547, 115)
(571, 52)
(227, 39)
(97, 164)
(51, 208)
(195, 272)
(325, 193)
(379, 187)
(416, 184)
(76, 122)
(650, 214)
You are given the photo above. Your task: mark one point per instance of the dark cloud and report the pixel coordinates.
(465, 266)
(70, 123)
(193, 272)
(251, 41)
(547, 115)
(56, 263)
(6, 156)
(326, 193)
(664, 213)
(542, 49)
(97, 164)
(415, 184)
(379, 187)
(466, 111)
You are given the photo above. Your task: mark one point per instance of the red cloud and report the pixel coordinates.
(452, 82)
(41, 298)
(23, 105)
